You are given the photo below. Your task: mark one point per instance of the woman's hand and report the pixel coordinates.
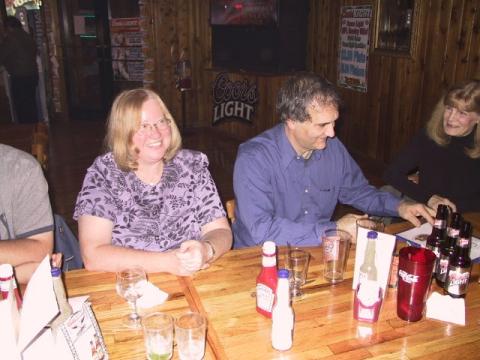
(436, 200)
(192, 255)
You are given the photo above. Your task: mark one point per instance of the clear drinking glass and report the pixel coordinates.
(336, 245)
(297, 263)
(190, 330)
(130, 285)
(158, 335)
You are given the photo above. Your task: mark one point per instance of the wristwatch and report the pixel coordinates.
(210, 251)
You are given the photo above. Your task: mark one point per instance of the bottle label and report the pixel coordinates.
(457, 280)
(463, 242)
(453, 233)
(439, 223)
(265, 297)
(442, 268)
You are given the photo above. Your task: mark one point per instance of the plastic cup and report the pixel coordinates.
(336, 245)
(415, 268)
(190, 330)
(158, 336)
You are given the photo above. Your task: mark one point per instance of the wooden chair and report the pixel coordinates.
(230, 206)
(39, 148)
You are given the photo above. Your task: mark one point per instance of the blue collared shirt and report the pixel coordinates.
(283, 197)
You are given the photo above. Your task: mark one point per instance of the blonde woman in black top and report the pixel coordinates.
(441, 165)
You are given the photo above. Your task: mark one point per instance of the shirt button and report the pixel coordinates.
(298, 157)
(306, 190)
(305, 212)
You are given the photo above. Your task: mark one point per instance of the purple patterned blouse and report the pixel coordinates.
(152, 217)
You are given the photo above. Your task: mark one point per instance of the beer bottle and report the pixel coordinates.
(447, 249)
(368, 270)
(437, 237)
(458, 274)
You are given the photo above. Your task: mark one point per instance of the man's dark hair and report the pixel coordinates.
(13, 23)
(298, 93)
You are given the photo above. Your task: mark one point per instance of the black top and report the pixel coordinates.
(443, 170)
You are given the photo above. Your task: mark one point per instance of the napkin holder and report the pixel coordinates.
(384, 246)
(26, 335)
(367, 312)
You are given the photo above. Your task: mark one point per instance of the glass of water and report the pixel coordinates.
(158, 335)
(130, 285)
(297, 263)
(190, 331)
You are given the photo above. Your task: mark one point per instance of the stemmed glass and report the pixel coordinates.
(130, 284)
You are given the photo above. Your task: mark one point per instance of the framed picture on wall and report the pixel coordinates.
(396, 27)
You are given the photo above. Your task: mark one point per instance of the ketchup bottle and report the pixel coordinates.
(7, 278)
(267, 280)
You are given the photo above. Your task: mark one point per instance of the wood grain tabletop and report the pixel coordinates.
(324, 322)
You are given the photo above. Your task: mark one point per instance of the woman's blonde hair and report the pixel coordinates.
(465, 97)
(124, 121)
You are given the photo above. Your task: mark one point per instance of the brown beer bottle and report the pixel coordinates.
(458, 274)
(437, 237)
(447, 249)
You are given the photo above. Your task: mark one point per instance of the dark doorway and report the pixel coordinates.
(87, 49)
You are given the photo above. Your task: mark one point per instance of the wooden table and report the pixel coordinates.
(324, 323)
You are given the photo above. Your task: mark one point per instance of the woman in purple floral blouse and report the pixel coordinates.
(147, 201)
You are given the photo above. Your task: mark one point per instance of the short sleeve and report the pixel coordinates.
(96, 197)
(31, 204)
(208, 206)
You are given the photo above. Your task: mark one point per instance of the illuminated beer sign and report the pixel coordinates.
(233, 99)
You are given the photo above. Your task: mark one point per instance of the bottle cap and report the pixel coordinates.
(283, 274)
(372, 235)
(269, 248)
(6, 270)
(56, 272)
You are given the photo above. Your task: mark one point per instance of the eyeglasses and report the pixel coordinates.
(148, 128)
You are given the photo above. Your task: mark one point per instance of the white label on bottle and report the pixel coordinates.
(457, 281)
(265, 297)
(452, 232)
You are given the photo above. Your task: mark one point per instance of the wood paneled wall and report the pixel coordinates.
(401, 90)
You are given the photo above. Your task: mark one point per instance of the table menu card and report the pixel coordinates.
(383, 256)
(26, 335)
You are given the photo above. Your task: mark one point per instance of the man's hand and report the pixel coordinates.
(348, 223)
(436, 200)
(410, 210)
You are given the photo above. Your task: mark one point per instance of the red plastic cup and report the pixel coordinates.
(414, 277)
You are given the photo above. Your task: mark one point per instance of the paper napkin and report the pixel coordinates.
(446, 308)
(152, 296)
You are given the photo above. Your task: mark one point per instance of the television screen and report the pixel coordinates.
(243, 12)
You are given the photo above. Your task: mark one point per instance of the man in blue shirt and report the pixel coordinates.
(288, 180)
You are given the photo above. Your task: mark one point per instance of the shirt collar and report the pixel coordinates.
(287, 152)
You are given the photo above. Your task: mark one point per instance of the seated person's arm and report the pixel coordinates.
(398, 172)
(216, 240)
(26, 254)
(98, 253)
